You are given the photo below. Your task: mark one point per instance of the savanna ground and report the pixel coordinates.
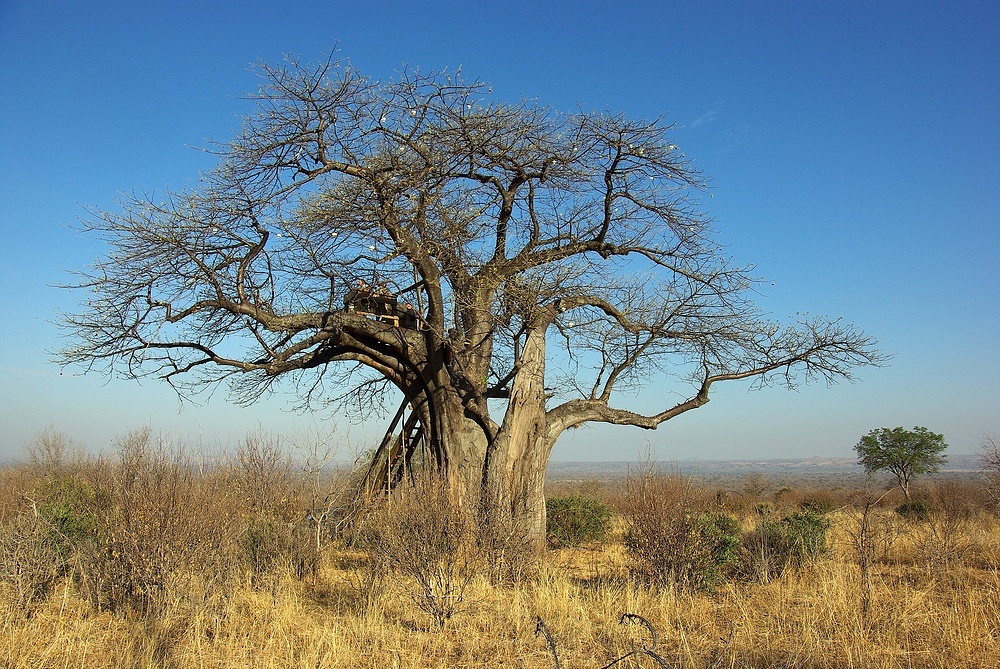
(150, 558)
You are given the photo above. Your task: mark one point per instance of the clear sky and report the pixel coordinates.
(853, 150)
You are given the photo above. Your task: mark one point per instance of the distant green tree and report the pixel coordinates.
(904, 453)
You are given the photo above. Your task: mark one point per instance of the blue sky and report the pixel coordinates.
(853, 151)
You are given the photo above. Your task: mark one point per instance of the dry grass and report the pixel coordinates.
(807, 619)
(927, 608)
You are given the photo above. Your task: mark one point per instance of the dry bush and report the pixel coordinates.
(158, 524)
(15, 483)
(749, 497)
(30, 560)
(423, 534)
(38, 537)
(818, 500)
(263, 477)
(754, 487)
(872, 532)
(274, 531)
(324, 491)
(958, 498)
(502, 546)
(989, 458)
(809, 618)
(673, 534)
(944, 538)
(268, 546)
(52, 453)
(138, 530)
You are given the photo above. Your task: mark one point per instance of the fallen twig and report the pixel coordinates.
(649, 651)
(540, 627)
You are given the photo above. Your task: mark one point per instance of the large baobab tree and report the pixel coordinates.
(507, 269)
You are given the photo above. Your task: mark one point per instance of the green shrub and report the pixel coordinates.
(775, 545)
(68, 504)
(817, 504)
(914, 509)
(574, 520)
(696, 551)
(719, 536)
(807, 533)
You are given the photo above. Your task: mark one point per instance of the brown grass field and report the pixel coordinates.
(143, 560)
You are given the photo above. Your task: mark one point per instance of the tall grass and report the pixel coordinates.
(168, 541)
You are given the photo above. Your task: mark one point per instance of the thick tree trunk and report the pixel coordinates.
(460, 440)
(501, 466)
(516, 462)
(507, 474)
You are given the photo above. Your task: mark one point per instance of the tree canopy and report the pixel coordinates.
(903, 453)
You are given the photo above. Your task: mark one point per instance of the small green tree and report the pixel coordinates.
(904, 453)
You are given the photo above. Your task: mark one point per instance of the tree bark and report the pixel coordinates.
(500, 476)
(516, 461)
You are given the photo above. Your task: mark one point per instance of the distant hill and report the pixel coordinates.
(814, 467)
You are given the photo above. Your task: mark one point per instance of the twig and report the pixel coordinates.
(541, 628)
(649, 651)
(634, 617)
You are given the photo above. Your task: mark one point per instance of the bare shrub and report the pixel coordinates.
(30, 560)
(944, 537)
(749, 496)
(809, 499)
(648, 650)
(958, 498)
(989, 458)
(753, 487)
(273, 532)
(52, 453)
(873, 530)
(157, 524)
(263, 476)
(422, 534)
(872, 534)
(914, 510)
(15, 483)
(503, 547)
(268, 545)
(325, 491)
(674, 535)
